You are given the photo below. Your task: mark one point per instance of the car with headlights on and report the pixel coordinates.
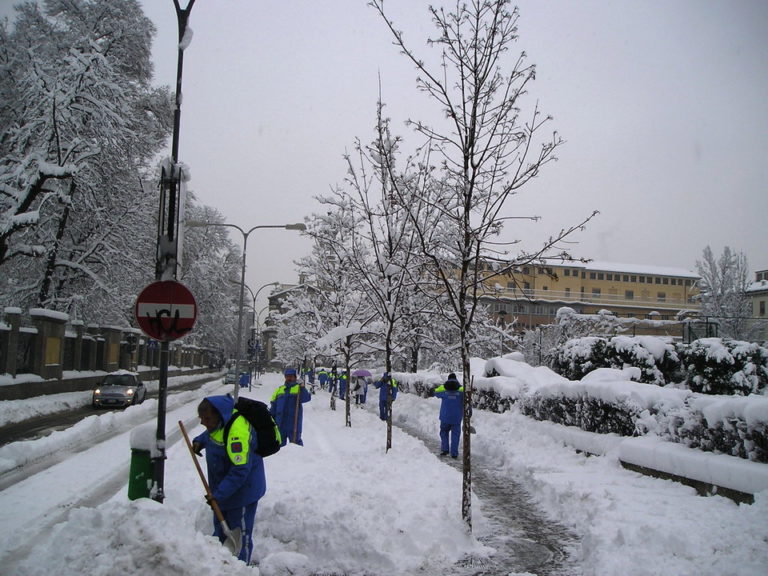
(231, 376)
(119, 389)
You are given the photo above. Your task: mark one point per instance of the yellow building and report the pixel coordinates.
(533, 294)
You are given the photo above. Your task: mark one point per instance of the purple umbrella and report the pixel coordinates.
(361, 373)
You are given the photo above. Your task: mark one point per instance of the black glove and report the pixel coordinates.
(197, 448)
(209, 500)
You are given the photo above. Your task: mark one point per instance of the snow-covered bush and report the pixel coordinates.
(655, 357)
(587, 413)
(492, 401)
(733, 436)
(578, 357)
(611, 401)
(708, 365)
(718, 366)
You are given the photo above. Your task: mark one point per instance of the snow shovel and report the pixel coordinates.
(234, 541)
(294, 438)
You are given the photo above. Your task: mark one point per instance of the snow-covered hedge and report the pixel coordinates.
(709, 365)
(716, 366)
(603, 403)
(612, 401)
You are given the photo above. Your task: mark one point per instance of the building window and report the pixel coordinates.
(629, 295)
(665, 281)
(633, 278)
(545, 287)
(510, 285)
(661, 297)
(762, 307)
(642, 279)
(525, 269)
(600, 276)
(658, 280)
(596, 292)
(568, 293)
(567, 272)
(626, 278)
(592, 275)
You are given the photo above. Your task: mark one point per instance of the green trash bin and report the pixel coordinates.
(140, 475)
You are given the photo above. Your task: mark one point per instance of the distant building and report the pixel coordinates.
(277, 299)
(533, 294)
(758, 296)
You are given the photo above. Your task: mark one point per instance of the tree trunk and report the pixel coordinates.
(466, 484)
(50, 266)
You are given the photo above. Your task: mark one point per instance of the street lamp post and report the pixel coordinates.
(197, 224)
(254, 297)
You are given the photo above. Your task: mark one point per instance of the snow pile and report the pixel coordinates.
(139, 537)
(12, 411)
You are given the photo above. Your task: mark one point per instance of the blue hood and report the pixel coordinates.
(224, 406)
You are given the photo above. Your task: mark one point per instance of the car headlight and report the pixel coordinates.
(96, 392)
(129, 392)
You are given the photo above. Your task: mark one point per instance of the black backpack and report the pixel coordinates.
(258, 415)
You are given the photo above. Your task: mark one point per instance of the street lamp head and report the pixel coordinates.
(196, 223)
(298, 226)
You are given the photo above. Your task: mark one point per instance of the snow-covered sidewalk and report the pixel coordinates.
(341, 504)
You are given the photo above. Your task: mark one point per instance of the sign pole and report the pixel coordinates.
(171, 206)
(165, 311)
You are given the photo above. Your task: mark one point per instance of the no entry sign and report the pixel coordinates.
(166, 310)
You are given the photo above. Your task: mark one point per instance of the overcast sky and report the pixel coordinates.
(664, 107)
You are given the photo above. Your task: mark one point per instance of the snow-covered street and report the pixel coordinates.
(341, 505)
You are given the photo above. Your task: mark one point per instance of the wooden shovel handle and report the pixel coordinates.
(211, 499)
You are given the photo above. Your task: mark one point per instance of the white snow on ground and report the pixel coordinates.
(341, 504)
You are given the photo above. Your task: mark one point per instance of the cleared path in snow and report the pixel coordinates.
(524, 539)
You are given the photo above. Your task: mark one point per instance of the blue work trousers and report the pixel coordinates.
(243, 518)
(449, 438)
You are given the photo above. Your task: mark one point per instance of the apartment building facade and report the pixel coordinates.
(758, 295)
(532, 294)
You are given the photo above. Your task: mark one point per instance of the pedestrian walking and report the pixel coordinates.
(451, 396)
(343, 385)
(235, 472)
(322, 377)
(333, 380)
(286, 407)
(360, 388)
(387, 387)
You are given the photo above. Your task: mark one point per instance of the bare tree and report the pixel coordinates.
(339, 303)
(723, 286)
(486, 153)
(382, 251)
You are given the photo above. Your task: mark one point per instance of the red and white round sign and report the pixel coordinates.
(166, 310)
